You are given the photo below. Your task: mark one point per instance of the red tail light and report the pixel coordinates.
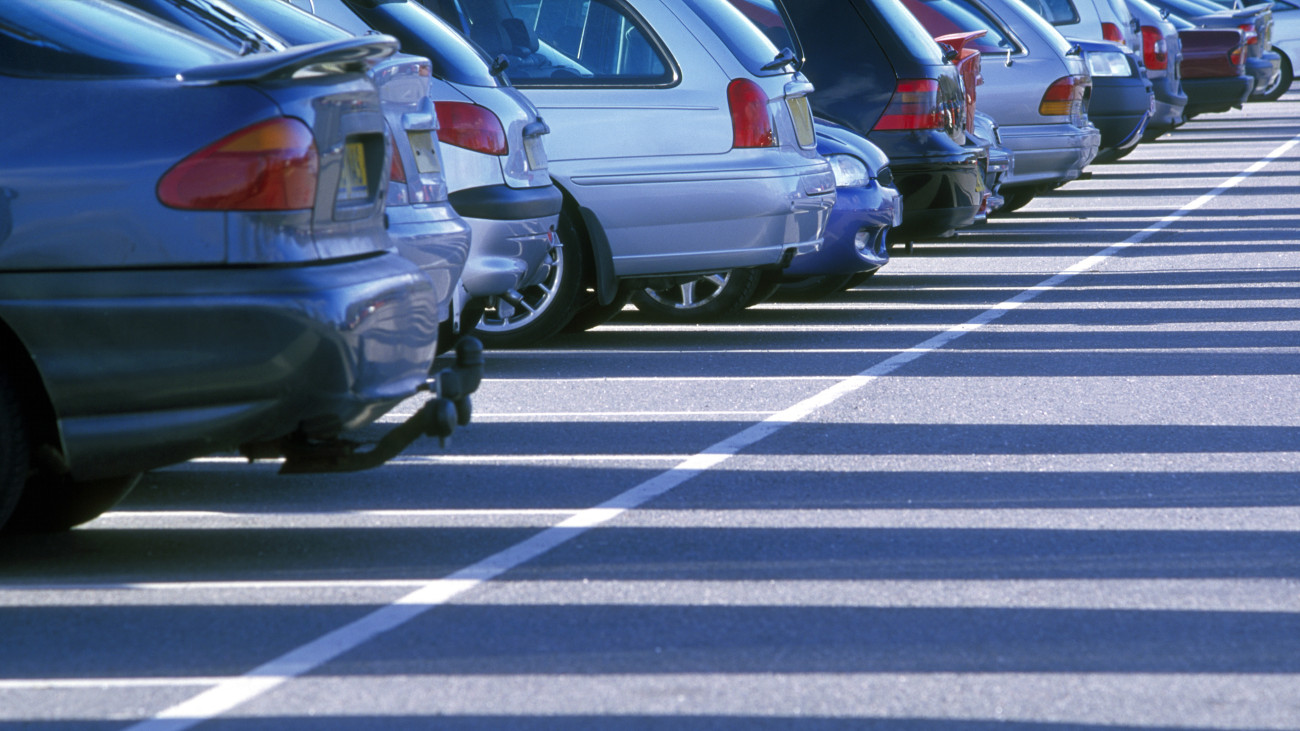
(1155, 49)
(1111, 32)
(396, 170)
(268, 166)
(1251, 36)
(471, 127)
(1238, 57)
(915, 105)
(1064, 97)
(751, 124)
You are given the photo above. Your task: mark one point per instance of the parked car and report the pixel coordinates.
(1214, 68)
(867, 206)
(1036, 86)
(419, 218)
(1262, 64)
(980, 129)
(1162, 56)
(1122, 97)
(495, 162)
(193, 259)
(1099, 20)
(1266, 35)
(1285, 42)
(682, 140)
(882, 76)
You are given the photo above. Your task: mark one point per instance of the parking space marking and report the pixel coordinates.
(270, 675)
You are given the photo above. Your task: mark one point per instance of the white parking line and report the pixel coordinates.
(264, 678)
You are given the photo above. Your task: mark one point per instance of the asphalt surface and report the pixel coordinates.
(1040, 475)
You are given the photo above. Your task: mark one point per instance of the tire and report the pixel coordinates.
(811, 289)
(767, 287)
(14, 449)
(1281, 86)
(52, 502)
(1015, 199)
(594, 314)
(709, 297)
(542, 310)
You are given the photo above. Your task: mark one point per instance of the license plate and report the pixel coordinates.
(535, 152)
(426, 155)
(803, 121)
(353, 185)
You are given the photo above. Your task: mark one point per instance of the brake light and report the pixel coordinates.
(915, 105)
(751, 123)
(396, 170)
(1155, 49)
(1111, 32)
(1251, 36)
(1238, 57)
(471, 127)
(1064, 97)
(268, 166)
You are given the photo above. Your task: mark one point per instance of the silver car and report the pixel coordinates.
(1036, 86)
(681, 137)
(495, 164)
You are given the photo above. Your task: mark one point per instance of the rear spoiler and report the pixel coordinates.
(348, 55)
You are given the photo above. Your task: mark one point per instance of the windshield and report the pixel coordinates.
(735, 24)
(293, 25)
(95, 40)
(422, 33)
(944, 17)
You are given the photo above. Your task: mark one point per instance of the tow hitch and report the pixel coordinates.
(450, 407)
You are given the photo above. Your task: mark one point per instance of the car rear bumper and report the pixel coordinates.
(203, 360)
(1049, 154)
(512, 235)
(1218, 94)
(436, 240)
(1120, 110)
(1264, 69)
(695, 221)
(869, 211)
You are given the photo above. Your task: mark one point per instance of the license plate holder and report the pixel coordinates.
(354, 183)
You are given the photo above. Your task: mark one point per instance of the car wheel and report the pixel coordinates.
(1015, 199)
(525, 318)
(1279, 87)
(53, 502)
(707, 298)
(811, 289)
(595, 314)
(13, 448)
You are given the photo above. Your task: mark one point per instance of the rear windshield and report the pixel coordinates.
(754, 31)
(213, 20)
(295, 26)
(1057, 12)
(422, 33)
(92, 40)
(943, 17)
(910, 32)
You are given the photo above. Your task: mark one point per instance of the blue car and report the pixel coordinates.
(193, 260)
(867, 206)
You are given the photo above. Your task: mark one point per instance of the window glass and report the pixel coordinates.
(753, 30)
(1056, 12)
(424, 34)
(287, 21)
(567, 42)
(943, 17)
(95, 40)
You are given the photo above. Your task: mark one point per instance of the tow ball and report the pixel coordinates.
(449, 408)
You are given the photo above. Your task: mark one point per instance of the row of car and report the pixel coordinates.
(252, 224)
